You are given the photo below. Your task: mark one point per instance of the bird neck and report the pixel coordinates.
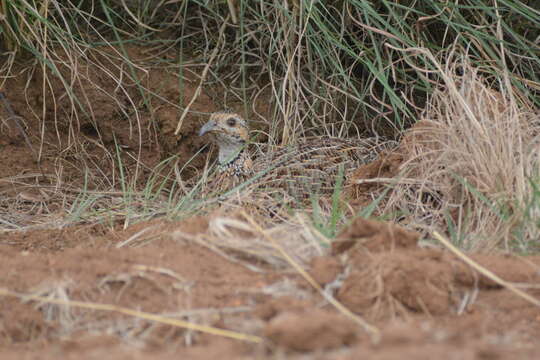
(231, 152)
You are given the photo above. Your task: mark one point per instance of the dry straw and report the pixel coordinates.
(138, 314)
(478, 150)
(485, 272)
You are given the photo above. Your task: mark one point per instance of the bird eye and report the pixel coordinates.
(231, 121)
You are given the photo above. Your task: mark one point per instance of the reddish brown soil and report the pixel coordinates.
(411, 294)
(425, 302)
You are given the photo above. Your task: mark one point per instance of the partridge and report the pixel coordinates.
(301, 170)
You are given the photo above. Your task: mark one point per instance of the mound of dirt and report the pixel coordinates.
(311, 330)
(424, 301)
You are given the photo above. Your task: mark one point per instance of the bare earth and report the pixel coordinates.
(426, 303)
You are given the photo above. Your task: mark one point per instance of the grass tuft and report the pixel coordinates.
(477, 148)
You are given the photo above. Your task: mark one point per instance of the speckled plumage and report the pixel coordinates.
(308, 167)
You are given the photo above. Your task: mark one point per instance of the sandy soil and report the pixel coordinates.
(426, 303)
(420, 301)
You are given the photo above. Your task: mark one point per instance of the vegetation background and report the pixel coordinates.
(343, 68)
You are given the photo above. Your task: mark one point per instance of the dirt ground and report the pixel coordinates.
(89, 290)
(426, 303)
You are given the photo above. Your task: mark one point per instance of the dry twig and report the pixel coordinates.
(138, 314)
(490, 275)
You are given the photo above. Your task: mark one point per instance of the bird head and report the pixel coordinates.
(230, 133)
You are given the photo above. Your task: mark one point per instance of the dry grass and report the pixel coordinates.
(236, 239)
(53, 300)
(477, 149)
(315, 70)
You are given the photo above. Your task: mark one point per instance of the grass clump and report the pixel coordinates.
(478, 149)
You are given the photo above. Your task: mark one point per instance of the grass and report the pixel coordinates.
(329, 227)
(350, 68)
(101, 87)
(478, 148)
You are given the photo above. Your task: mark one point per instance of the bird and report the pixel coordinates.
(301, 170)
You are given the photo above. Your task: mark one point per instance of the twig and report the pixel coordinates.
(138, 314)
(232, 11)
(203, 76)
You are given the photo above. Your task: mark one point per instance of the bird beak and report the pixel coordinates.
(209, 126)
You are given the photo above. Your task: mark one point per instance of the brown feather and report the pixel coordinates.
(308, 167)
